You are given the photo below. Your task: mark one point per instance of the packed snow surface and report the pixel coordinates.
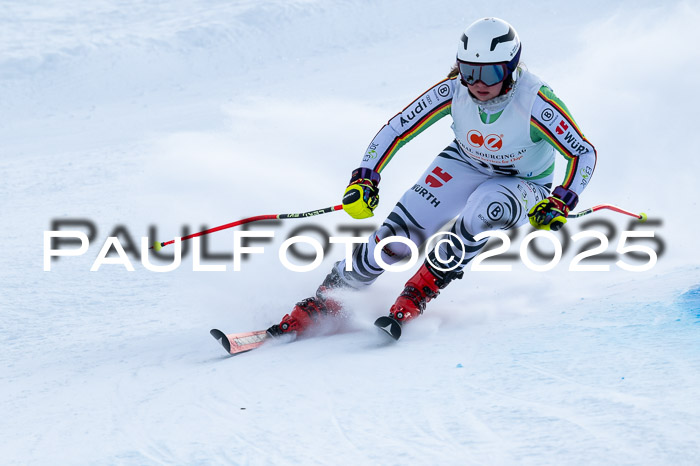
(156, 119)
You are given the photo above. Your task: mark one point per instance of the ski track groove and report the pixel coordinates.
(212, 402)
(566, 414)
(336, 423)
(138, 432)
(603, 393)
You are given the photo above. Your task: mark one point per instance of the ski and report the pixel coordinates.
(390, 326)
(236, 343)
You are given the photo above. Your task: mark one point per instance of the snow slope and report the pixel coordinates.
(181, 114)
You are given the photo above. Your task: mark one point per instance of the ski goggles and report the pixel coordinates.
(488, 73)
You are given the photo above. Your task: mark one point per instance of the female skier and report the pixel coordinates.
(496, 174)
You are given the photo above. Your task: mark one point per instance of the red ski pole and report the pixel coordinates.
(158, 246)
(641, 216)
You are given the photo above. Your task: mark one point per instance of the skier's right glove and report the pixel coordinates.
(362, 194)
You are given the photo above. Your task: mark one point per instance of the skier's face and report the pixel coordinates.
(483, 92)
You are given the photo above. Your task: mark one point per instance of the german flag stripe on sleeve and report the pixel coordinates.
(550, 137)
(562, 109)
(423, 123)
(551, 121)
(431, 106)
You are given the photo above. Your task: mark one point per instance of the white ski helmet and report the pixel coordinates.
(489, 41)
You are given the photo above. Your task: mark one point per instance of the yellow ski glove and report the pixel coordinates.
(551, 213)
(362, 194)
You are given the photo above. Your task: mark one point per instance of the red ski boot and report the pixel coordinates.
(418, 291)
(306, 313)
(303, 316)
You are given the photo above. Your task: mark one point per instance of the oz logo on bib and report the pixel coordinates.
(492, 142)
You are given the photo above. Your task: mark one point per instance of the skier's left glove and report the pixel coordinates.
(362, 194)
(551, 213)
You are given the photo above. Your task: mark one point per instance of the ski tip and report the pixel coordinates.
(221, 338)
(390, 326)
